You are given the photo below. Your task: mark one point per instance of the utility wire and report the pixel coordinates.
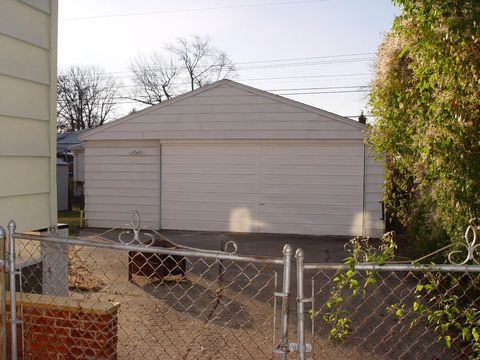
(119, 75)
(331, 90)
(124, 100)
(153, 69)
(305, 58)
(191, 10)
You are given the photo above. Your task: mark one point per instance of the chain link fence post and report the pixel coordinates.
(3, 350)
(300, 257)
(283, 347)
(13, 296)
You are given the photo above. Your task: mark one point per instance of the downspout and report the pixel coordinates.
(53, 113)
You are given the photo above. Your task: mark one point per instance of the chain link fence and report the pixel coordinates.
(95, 299)
(141, 296)
(400, 314)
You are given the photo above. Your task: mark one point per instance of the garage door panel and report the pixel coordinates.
(313, 209)
(232, 179)
(235, 188)
(270, 189)
(292, 169)
(312, 219)
(311, 189)
(313, 199)
(213, 169)
(301, 179)
(210, 187)
(235, 214)
(224, 207)
(310, 160)
(288, 188)
(230, 198)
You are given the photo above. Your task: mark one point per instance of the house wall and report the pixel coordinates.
(374, 180)
(121, 176)
(28, 33)
(79, 165)
(229, 113)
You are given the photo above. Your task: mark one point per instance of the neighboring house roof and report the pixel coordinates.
(61, 162)
(158, 109)
(69, 140)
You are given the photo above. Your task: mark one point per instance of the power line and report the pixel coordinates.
(124, 100)
(266, 66)
(306, 58)
(358, 88)
(306, 76)
(323, 88)
(275, 66)
(119, 75)
(325, 92)
(191, 10)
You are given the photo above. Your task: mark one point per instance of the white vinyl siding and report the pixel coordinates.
(311, 189)
(234, 158)
(210, 187)
(374, 181)
(119, 178)
(282, 188)
(27, 112)
(227, 112)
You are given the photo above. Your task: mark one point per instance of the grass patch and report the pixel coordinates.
(72, 219)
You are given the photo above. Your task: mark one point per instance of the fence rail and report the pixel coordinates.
(394, 316)
(89, 298)
(143, 296)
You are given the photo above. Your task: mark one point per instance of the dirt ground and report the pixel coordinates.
(206, 316)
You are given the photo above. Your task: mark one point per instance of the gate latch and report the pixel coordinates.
(295, 347)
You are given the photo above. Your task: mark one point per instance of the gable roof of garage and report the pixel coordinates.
(247, 105)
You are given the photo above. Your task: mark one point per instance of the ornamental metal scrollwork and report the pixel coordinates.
(136, 227)
(148, 238)
(470, 244)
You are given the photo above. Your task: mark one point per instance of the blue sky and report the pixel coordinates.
(106, 33)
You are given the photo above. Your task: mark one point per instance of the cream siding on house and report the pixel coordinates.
(234, 158)
(28, 32)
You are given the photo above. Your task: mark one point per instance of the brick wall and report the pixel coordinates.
(58, 328)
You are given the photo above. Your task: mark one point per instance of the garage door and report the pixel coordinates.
(274, 188)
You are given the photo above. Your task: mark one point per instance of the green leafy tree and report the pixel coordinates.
(426, 98)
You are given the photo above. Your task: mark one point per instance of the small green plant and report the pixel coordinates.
(348, 283)
(445, 303)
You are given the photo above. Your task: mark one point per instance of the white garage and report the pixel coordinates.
(228, 157)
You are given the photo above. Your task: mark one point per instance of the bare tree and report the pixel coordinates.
(153, 79)
(86, 98)
(202, 62)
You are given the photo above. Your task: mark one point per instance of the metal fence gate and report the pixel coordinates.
(90, 298)
(144, 297)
